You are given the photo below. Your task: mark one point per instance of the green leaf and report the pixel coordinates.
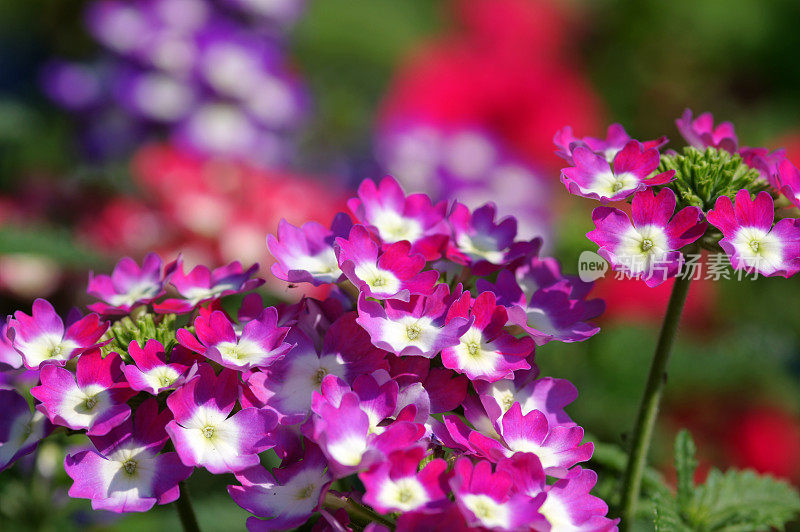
(742, 500)
(52, 243)
(685, 465)
(667, 515)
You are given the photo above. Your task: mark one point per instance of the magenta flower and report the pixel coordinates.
(127, 472)
(592, 176)
(570, 506)
(94, 398)
(377, 400)
(416, 327)
(547, 395)
(395, 485)
(397, 217)
(151, 372)
(788, 181)
(259, 344)
(646, 244)
(202, 432)
(485, 350)
(8, 355)
(559, 311)
(305, 254)
(42, 336)
(201, 285)
(608, 148)
(285, 498)
(129, 286)
(487, 499)
(482, 244)
(749, 238)
(343, 433)
(396, 273)
(701, 132)
(20, 428)
(289, 384)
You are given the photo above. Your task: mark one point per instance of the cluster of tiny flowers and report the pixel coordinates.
(730, 197)
(407, 399)
(469, 164)
(213, 76)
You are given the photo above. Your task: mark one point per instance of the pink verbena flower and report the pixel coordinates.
(289, 384)
(788, 181)
(608, 148)
(557, 446)
(482, 244)
(202, 284)
(592, 176)
(258, 345)
(152, 373)
(558, 311)
(20, 428)
(8, 355)
(396, 485)
(42, 336)
(343, 433)
(417, 327)
(395, 273)
(396, 217)
(485, 351)
(749, 238)
(204, 434)
(568, 505)
(306, 254)
(548, 395)
(94, 398)
(647, 244)
(126, 471)
(285, 498)
(701, 132)
(129, 285)
(377, 400)
(487, 499)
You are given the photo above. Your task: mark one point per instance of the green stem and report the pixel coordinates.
(648, 411)
(185, 510)
(359, 513)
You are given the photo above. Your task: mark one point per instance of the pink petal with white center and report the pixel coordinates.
(94, 399)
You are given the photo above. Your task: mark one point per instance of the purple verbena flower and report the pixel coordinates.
(394, 273)
(485, 351)
(417, 327)
(397, 217)
(259, 344)
(202, 284)
(152, 373)
(203, 433)
(701, 132)
(749, 238)
(94, 398)
(129, 285)
(396, 485)
(126, 471)
(592, 176)
(306, 254)
(285, 498)
(42, 336)
(20, 428)
(647, 244)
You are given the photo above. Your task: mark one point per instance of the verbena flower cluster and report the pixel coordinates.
(729, 198)
(213, 76)
(409, 398)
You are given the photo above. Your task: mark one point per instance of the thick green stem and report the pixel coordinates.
(648, 411)
(359, 513)
(185, 510)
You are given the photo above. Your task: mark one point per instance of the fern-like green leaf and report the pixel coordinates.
(685, 465)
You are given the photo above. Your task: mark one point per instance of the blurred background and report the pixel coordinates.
(194, 126)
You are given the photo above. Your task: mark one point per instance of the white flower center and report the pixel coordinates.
(393, 227)
(491, 513)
